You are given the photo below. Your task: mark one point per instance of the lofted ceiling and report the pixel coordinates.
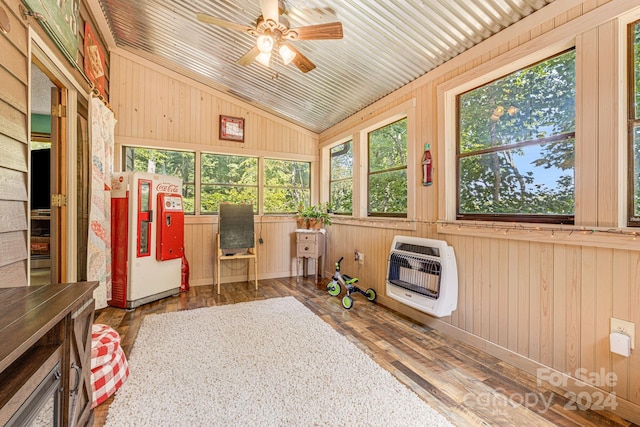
(386, 44)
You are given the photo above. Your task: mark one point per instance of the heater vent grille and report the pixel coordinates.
(422, 273)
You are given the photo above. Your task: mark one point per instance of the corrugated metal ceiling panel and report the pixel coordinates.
(386, 45)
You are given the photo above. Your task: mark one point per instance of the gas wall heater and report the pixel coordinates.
(422, 273)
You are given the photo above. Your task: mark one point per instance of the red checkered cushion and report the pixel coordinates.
(104, 342)
(108, 378)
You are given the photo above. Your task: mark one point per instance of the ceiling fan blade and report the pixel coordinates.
(329, 31)
(270, 10)
(208, 19)
(249, 57)
(301, 61)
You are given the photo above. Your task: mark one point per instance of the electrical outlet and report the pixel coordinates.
(360, 258)
(624, 327)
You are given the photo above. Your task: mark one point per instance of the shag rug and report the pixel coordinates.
(263, 363)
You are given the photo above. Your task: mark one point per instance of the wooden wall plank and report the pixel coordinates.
(13, 185)
(587, 306)
(13, 91)
(12, 216)
(13, 275)
(13, 154)
(535, 291)
(621, 309)
(14, 61)
(13, 247)
(13, 123)
(607, 153)
(586, 182)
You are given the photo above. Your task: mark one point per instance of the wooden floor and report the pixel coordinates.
(467, 386)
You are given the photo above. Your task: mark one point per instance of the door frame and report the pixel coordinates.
(55, 67)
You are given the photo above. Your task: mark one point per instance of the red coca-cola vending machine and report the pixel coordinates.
(147, 237)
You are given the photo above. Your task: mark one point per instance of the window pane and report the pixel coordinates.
(340, 183)
(388, 147)
(173, 163)
(636, 171)
(227, 179)
(634, 124)
(535, 109)
(530, 104)
(341, 196)
(531, 180)
(341, 161)
(388, 192)
(221, 169)
(388, 169)
(287, 185)
(285, 200)
(636, 68)
(212, 195)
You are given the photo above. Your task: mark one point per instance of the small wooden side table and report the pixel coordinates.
(310, 244)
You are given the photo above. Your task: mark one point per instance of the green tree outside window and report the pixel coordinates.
(516, 145)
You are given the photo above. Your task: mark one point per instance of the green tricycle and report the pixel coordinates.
(334, 287)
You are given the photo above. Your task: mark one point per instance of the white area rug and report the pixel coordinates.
(261, 363)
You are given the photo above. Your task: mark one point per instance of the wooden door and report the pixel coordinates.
(58, 184)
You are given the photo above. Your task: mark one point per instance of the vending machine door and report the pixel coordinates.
(170, 227)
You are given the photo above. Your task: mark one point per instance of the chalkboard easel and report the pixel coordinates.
(235, 225)
(235, 238)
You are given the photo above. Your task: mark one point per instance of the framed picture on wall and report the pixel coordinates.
(232, 128)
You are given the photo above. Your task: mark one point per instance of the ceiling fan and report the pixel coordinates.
(273, 32)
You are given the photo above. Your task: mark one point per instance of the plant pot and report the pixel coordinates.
(315, 224)
(301, 223)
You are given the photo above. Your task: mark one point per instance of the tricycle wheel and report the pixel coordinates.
(371, 294)
(333, 288)
(347, 302)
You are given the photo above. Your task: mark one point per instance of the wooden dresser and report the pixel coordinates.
(45, 355)
(310, 244)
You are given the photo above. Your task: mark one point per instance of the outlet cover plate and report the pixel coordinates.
(624, 327)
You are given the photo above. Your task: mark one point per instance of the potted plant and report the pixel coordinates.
(319, 216)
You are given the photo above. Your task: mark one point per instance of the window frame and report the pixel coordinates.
(203, 184)
(185, 184)
(264, 186)
(564, 219)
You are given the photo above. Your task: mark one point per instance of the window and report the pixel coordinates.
(286, 185)
(227, 179)
(165, 162)
(634, 124)
(341, 178)
(516, 145)
(388, 170)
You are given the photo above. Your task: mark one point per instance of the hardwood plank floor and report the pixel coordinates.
(469, 387)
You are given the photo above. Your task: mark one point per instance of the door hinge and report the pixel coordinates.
(59, 110)
(58, 200)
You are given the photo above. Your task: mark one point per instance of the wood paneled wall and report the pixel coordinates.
(535, 299)
(14, 139)
(159, 108)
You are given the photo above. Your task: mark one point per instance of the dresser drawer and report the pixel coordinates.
(307, 237)
(307, 249)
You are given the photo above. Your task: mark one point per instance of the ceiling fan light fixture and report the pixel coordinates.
(265, 43)
(264, 58)
(286, 53)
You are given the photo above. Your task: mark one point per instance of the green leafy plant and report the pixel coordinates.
(314, 214)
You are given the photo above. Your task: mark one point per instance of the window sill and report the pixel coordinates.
(601, 237)
(376, 222)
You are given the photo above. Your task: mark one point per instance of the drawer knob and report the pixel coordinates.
(306, 248)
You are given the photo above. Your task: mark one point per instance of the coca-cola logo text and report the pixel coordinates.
(164, 187)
